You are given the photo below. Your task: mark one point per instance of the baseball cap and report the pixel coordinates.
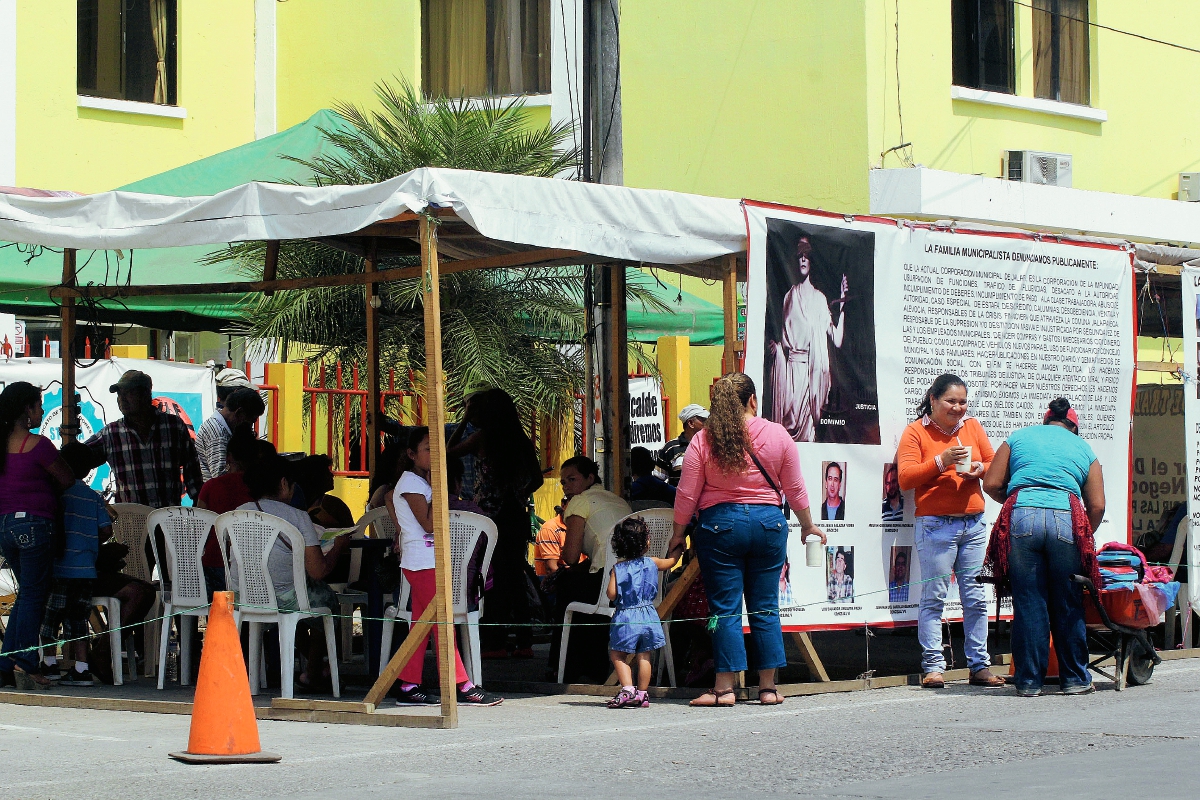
(232, 378)
(693, 411)
(132, 379)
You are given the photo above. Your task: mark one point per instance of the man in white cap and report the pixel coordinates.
(670, 458)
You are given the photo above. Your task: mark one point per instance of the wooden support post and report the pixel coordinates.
(809, 654)
(69, 429)
(730, 307)
(271, 265)
(435, 416)
(387, 675)
(374, 369)
(618, 447)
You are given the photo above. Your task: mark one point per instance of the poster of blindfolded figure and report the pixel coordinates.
(820, 333)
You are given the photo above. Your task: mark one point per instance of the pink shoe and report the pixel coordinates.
(644, 697)
(626, 699)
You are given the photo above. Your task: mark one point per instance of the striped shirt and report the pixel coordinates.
(149, 472)
(83, 517)
(212, 440)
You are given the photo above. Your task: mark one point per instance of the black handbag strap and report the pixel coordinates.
(763, 470)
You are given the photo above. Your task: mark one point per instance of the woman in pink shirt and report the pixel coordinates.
(735, 474)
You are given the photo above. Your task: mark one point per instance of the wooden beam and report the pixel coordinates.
(271, 265)
(525, 258)
(1159, 366)
(435, 418)
(809, 654)
(729, 306)
(374, 371)
(618, 447)
(387, 675)
(69, 429)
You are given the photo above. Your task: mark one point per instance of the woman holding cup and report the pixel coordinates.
(942, 456)
(736, 473)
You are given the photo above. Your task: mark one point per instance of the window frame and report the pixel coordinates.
(970, 69)
(1047, 84)
(123, 95)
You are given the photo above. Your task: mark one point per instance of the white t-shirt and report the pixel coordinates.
(416, 544)
(601, 510)
(279, 562)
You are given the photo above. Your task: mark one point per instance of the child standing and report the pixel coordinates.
(86, 523)
(635, 627)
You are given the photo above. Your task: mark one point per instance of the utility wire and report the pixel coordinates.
(1109, 28)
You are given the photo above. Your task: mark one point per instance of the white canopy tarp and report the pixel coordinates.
(644, 225)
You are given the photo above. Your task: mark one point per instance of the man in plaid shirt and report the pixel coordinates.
(152, 455)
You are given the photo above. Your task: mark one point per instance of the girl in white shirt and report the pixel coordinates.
(412, 512)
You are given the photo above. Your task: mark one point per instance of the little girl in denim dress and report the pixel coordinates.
(635, 627)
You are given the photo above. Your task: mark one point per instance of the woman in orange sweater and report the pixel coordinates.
(942, 456)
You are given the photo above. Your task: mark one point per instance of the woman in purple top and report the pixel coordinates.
(31, 475)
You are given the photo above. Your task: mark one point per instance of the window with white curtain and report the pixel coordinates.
(126, 50)
(479, 48)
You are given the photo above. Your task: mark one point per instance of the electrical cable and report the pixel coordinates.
(1107, 28)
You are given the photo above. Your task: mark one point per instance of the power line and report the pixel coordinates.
(1108, 28)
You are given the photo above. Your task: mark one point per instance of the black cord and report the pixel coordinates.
(1089, 23)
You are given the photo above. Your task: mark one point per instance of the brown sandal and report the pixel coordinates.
(778, 697)
(716, 699)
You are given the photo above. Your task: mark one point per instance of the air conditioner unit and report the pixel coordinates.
(1189, 186)
(1032, 166)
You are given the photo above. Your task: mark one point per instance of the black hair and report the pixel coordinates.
(15, 400)
(584, 465)
(242, 447)
(386, 466)
(314, 474)
(246, 399)
(512, 459)
(1059, 407)
(841, 475)
(847, 554)
(223, 392)
(78, 457)
(454, 472)
(640, 461)
(264, 479)
(941, 384)
(631, 538)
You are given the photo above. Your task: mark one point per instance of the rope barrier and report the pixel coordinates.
(710, 621)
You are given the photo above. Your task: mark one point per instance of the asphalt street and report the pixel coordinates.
(894, 743)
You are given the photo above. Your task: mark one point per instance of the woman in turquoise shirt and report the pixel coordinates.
(1047, 464)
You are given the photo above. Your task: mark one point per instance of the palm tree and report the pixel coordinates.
(519, 330)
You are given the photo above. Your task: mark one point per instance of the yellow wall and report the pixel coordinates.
(1149, 138)
(327, 51)
(764, 100)
(62, 146)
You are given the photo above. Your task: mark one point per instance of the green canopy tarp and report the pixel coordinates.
(26, 273)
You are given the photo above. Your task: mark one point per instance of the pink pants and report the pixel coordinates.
(421, 583)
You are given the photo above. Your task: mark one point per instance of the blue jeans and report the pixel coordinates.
(26, 544)
(948, 545)
(741, 549)
(1042, 558)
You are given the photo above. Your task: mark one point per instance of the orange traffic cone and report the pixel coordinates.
(224, 730)
(1051, 663)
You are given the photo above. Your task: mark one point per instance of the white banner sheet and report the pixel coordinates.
(1190, 277)
(187, 390)
(647, 425)
(844, 342)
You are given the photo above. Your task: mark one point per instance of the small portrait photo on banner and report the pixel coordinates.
(840, 574)
(819, 368)
(833, 500)
(893, 500)
(786, 598)
(898, 573)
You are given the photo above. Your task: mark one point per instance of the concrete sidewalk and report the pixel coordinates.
(895, 743)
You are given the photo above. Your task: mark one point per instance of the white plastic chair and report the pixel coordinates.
(376, 523)
(465, 530)
(248, 537)
(129, 528)
(1183, 602)
(185, 531)
(661, 522)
